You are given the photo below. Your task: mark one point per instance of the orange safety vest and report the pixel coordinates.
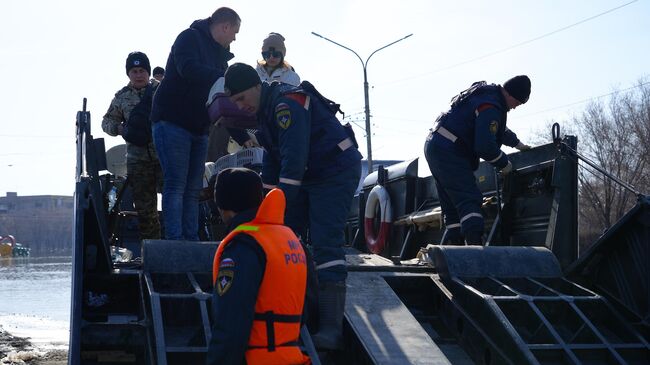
(276, 325)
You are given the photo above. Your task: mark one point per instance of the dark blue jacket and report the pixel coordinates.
(195, 62)
(478, 119)
(301, 136)
(233, 311)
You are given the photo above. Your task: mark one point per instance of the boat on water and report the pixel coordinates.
(526, 297)
(10, 248)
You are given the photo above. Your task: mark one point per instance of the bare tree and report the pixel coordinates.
(638, 109)
(615, 135)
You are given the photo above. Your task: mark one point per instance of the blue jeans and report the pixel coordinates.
(182, 158)
(323, 207)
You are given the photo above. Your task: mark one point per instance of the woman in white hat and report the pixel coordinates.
(273, 66)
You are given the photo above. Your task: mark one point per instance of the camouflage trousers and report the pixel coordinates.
(145, 178)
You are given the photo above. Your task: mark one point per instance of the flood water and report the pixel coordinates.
(35, 299)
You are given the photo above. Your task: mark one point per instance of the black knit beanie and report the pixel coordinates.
(238, 189)
(518, 87)
(240, 77)
(137, 59)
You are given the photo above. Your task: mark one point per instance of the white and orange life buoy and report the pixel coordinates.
(6, 248)
(11, 240)
(376, 241)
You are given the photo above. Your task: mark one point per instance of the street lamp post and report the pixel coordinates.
(365, 89)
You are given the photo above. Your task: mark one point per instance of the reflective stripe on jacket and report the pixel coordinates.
(278, 310)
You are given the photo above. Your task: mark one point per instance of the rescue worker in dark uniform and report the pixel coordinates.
(473, 128)
(259, 275)
(315, 161)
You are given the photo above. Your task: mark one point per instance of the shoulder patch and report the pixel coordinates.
(494, 127)
(224, 281)
(226, 263)
(283, 118)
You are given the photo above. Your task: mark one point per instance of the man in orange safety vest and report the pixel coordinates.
(259, 275)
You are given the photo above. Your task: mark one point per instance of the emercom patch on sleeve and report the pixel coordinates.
(224, 281)
(283, 117)
(494, 127)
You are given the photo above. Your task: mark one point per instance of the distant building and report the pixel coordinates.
(40, 222)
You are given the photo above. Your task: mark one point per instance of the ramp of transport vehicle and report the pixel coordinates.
(524, 298)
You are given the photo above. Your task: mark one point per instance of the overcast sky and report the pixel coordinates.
(54, 53)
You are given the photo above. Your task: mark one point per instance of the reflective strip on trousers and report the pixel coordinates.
(330, 264)
(471, 215)
(290, 181)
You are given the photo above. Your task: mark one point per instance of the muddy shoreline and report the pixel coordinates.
(19, 350)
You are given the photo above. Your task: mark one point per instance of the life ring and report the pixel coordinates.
(10, 238)
(376, 241)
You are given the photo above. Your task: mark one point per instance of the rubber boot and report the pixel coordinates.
(331, 304)
(310, 309)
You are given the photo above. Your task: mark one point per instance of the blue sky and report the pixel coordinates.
(55, 53)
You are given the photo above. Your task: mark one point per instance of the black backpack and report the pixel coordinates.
(334, 107)
(137, 129)
(465, 94)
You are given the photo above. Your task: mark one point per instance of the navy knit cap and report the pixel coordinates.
(240, 77)
(137, 59)
(518, 87)
(238, 189)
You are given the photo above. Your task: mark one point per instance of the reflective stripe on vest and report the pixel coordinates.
(244, 227)
(280, 299)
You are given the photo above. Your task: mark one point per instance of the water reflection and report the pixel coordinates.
(35, 296)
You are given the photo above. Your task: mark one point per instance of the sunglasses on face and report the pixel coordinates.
(267, 54)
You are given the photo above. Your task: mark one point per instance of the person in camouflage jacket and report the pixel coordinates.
(143, 167)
